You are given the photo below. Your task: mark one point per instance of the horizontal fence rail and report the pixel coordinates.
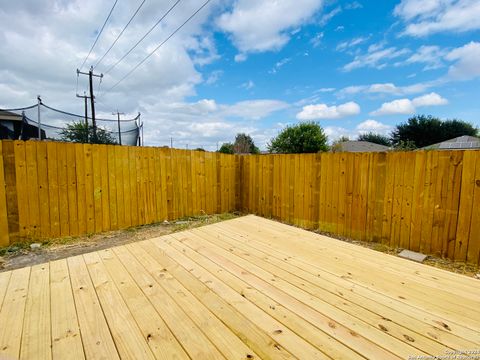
(427, 201)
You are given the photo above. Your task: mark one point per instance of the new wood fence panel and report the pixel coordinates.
(417, 201)
(97, 187)
(8, 155)
(424, 201)
(80, 175)
(89, 189)
(473, 251)
(127, 187)
(112, 187)
(454, 190)
(105, 191)
(63, 206)
(71, 190)
(378, 194)
(32, 189)
(21, 185)
(407, 199)
(132, 170)
(4, 235)
(429, 202)
(43, 184)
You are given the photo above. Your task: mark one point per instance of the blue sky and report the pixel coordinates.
(253, 66)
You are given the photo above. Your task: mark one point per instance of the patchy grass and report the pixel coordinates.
(20, 254)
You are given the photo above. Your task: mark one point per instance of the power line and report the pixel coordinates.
(143, 37)
(98, 35)
(119, 35)
(159, 46)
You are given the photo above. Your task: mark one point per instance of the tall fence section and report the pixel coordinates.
(58, 189)
(427, 201)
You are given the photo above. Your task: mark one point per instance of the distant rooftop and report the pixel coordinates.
(361, 146)
(462, 142)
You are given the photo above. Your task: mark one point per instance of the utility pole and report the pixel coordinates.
(118, 120)
(171, 143)
(85, 97)
(92, 97)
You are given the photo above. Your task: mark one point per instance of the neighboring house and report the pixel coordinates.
(15, 127)
(359, 146)
(459, 143)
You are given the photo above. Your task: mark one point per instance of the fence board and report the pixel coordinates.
(43, 198)
(63, 191)
(4, 235)
(72, 190)
(473, 251)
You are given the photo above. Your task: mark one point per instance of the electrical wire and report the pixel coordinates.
(121, 33)
(99, 33)
(143, 37)
(159, 46)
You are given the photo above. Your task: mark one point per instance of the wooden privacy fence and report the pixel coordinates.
(55, 189)
(423, 201)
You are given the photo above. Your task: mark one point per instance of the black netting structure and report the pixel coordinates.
(22, 123)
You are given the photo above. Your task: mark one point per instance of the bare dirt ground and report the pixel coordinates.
(21, 255)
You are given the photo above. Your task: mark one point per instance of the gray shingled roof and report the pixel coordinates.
(462, 142)
(361, 146)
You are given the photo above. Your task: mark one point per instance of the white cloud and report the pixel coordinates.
(317, 39)
(383, 88)
(254, 109)
(351, 43)
(353, 5)
(248, 85)
(400, 106)
(323, 111)
(467, 63)
(214, 77)
(257, 26)
(427, 17)
(374, 126)
(279, 64)
(407, 106)
(431, 56)
(240, 57)
(376, 59)
(336, 132)
(432, 99)
(330, 15)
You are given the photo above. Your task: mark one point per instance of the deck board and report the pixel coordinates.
(241, 289)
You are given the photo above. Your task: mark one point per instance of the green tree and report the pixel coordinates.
(79, 132)
(337, 144)
(244, 145)
(422, 130)
(375, 138)
(305, 137)
(226, 148)
(199, 149)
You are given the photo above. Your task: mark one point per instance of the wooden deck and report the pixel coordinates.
(241, 289)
